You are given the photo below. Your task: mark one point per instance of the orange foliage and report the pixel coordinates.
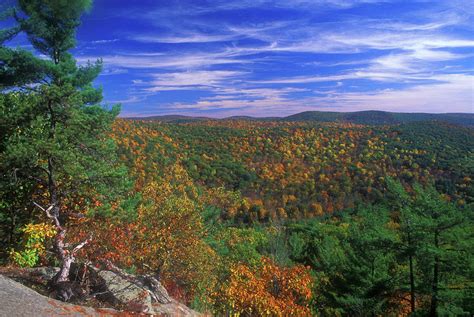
(329, 164)
(166, 236)
(268, 290)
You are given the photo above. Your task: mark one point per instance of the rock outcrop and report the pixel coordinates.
(19, 300)
(120, 291)
(136, 299)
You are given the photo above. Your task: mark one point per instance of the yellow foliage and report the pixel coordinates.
(34, 237)
(268, 290)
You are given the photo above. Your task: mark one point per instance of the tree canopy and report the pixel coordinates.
(56, 156)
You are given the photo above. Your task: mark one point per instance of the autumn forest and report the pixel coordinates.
(310, 215)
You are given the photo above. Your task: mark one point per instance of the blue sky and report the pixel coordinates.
(274, 58)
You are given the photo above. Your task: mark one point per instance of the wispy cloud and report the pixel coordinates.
(166, 61)
(453, 93)
(192, 80)
(185, 38)
(266, 57)
(105, 41)
(455, 90)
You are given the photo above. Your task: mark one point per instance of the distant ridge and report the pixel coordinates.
(371, 117)
(170, 118)
(252, 118)
(382, 117)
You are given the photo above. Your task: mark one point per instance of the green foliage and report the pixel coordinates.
(437, 235)
(381, 117)
(353, 261)
(20, 68)
(381, 214)
(361, 259)
(240, 245)
(445, 251)
(367, 228)
(51, 24)
(54, 144)
(35, 236)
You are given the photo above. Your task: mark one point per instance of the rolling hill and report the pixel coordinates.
(381, 117)
(371, 117)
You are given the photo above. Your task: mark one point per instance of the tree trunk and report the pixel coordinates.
(67, 257)
(434, 289)
(64, 256)
(63, 274)
(412, 285)
(412, 274)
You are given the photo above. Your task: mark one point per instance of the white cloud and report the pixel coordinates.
(454, 93)
(105, 41)
(165, 61)
(416, 48)
(192, 80)
(178, 39)
(131, 99)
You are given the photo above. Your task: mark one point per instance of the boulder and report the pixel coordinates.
(158, 292)
(45, 272)
(19, 300)
(125, 293)
(141, 294)
(174, 308)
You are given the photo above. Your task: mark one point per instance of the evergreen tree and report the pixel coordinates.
(445, 255)
(436, 241)
(55, 149)
(354, 262)
(410, 235)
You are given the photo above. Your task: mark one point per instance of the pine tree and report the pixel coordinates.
(55, 142)
(410, 237)
(445, 254)
(436, 241)
(353, 260)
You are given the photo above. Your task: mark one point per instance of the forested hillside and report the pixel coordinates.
(333, 197)
(361, 117)
(382, 117)
(316, 214)
(301, 170)
(339, 216)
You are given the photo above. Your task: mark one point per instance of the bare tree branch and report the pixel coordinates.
(50, 216)
(81, 245)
